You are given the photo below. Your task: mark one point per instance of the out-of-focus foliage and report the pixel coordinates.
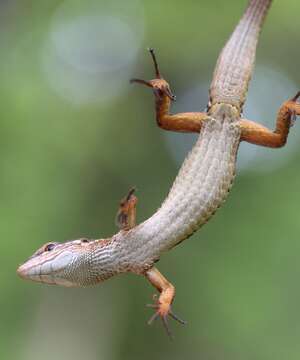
(75, 136)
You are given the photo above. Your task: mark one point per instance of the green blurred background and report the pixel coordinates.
(75, 136)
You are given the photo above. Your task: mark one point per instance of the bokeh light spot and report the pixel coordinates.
(87, 56)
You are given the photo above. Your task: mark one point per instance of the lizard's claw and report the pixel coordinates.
(163, 310)
(296, 97)
(295, 110)
(159, 84)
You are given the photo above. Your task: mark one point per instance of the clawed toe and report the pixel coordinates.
(175, 317)
(296, 97)
(164, 317)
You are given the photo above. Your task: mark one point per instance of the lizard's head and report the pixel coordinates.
(67, 264)
(159, 85)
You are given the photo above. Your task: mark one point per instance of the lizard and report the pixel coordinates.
(200, 188)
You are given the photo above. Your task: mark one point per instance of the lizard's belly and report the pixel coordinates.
(200, 188)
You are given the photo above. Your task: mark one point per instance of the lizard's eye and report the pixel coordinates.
(49, 247)
(84, 240)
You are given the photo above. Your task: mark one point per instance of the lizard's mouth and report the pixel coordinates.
(51, 271)
(46, 278)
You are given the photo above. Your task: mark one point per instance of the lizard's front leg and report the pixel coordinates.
(260, 135)
(164, 301)
(181, 122)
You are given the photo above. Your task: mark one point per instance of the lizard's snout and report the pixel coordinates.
(21, 271)
(30, 271)
(49, 268)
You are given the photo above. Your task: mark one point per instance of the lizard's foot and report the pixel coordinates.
(159, 85)
(126, 215)
(163, 310)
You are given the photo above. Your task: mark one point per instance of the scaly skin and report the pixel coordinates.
(234, 66)
(200, 188)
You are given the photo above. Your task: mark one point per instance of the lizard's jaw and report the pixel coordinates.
(48, 269)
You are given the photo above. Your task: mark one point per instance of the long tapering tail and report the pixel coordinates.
(235, 63)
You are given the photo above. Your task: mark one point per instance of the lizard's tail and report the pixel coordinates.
(234, 67)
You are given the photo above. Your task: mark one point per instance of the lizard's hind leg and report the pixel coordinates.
(255, 133)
